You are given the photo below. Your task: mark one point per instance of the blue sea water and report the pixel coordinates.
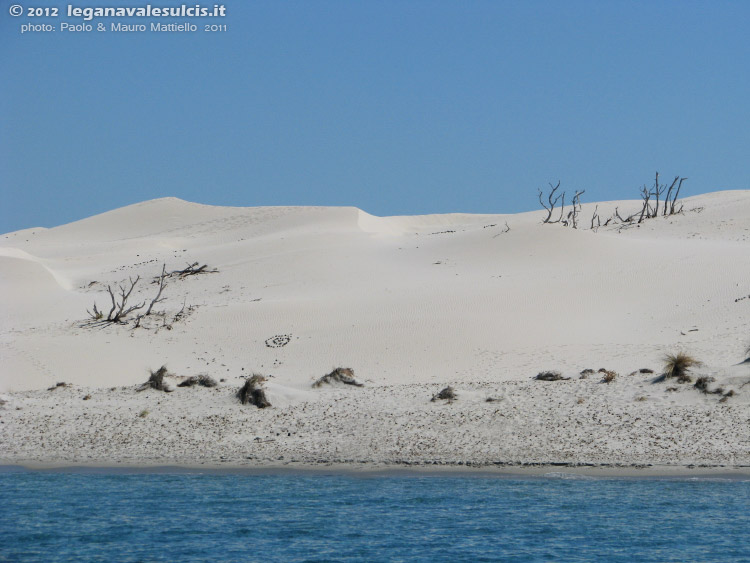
(179, 516)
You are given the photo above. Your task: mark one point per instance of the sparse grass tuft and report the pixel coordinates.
(701, 384)
(677, 365)
(143, 413)
(608, 376)
(203, 380)
(338, 375)
(550, 376)
(156, 381)
(447, 394)
(253, 392)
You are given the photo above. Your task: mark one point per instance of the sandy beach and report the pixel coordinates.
(481, 303)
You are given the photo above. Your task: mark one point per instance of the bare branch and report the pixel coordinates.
(666, 198)
(674, 199)
(576, 209)
(646, 209)
(552, 202)
(657, 192)
(192, 270)
(595, 217)
(162, 285)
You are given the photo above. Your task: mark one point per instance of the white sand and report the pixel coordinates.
(411, 304)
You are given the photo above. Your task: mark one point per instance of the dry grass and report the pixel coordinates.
(202, 380)
(608, 376)
(447, 394)
(677, 366)
(339, 375)
(701, 384)
(550, 376)
(254, 393)
(156, 381)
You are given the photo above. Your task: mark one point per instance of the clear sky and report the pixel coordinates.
(396, 107)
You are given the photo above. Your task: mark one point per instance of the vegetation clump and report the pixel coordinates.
(156, 381)
(339, 375)
(608, 376)
(701, 384)
(677, 365)
(550, 376)
(201, 380)
(447, 394)
(253, 392)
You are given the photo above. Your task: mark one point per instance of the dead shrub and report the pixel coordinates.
(339, 375)
(156, 381)
(447, 394)
(254, 393)
(550, 376)
(201, 380)
(726, 396)
(609, 376)
(701, 384)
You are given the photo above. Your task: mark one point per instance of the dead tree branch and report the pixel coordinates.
(658, 190)
(192, 270)
(595, 217)
(552, 202)
(162, 285)
(572, 218)
(120, 308)
(646, 209)
(674, 199)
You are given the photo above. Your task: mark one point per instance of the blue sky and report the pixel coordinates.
(403, 107)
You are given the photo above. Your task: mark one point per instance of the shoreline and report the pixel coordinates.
(528, 429)
(507, 470)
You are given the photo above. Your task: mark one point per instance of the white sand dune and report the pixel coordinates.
(482, 302)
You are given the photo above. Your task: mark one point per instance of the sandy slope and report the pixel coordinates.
(411, 303)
